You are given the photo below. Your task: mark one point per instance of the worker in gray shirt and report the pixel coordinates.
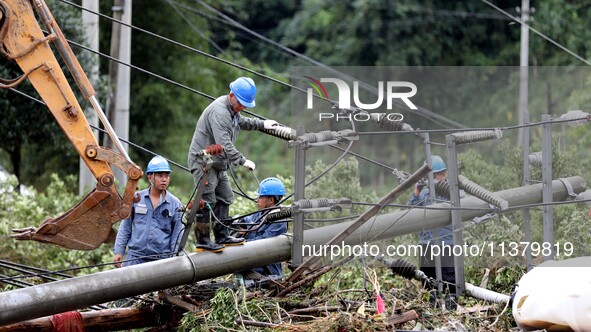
(219, 124)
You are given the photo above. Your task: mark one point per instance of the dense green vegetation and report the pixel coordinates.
(336, 33)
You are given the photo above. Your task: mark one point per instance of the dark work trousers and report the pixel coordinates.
(448, 274)
(217, 189)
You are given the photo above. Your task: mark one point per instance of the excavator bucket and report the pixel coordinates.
(88, 224)
(83, 227)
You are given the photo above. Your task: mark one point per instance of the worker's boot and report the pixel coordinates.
(451, 302)
(434, 299)
(202, 226)
(220, 229)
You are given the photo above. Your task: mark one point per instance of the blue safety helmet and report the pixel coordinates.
(438, 164)
(158, 164)
(271, 187)
(245, 90)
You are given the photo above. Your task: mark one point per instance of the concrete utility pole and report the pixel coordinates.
(119, 76)
(91, 28)
(80, 292)
(523, 67)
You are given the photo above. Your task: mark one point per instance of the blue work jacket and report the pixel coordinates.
(266, 231)
(445, 233)
(149, 230)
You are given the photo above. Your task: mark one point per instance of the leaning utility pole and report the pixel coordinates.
(119, 76)
(91, 28)
(523, 67)
(80, 292)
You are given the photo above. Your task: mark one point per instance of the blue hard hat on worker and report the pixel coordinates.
(438, 164)
(245, 91)
(271, 187)
(158, 164)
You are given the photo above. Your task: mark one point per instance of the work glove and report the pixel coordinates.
(249, 164)
(270, 124)
(201, 205)
(421, 184)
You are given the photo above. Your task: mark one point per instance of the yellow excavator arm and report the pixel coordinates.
(88, 224)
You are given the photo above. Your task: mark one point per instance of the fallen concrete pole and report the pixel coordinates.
(80, 292)
(391, 225)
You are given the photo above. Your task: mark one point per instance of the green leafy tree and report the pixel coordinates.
(32, 140)
(18, 211)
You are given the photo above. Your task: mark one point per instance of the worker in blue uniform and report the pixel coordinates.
(442, 236)
(271, 191)
(153, 229)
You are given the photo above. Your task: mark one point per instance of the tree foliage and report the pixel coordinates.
(33, 141)
(19, 211)
(336, 33)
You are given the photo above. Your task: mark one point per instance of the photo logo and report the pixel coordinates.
(344, 91)
(316, 85)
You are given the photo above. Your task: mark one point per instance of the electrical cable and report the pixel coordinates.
(333, 219)
(406, 206)
(22, 269)
(195, 29)
(420, 131)
(169, 40)
(82, 267)
(193, 90)
(415, 132)
(374, 217)
(341, 155)
(139, 147)
(179, 236)
(255, 223)
(241, 192)
(564, 48)
(35, 268)
(73, 43)
(364, 203)
(245, 195)
(421, 111)
(393, 223)
(176, 43)
(345, 151)
(355, 203)
(225, 22)
(15, 283)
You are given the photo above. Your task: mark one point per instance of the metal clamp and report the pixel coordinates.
(569, 188)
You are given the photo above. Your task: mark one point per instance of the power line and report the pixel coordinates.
(210, 97)
(421, 110)
(222, 21)
(250, 31)
(137, 146)
(176, 43)
(564, 48)
(142, 70)
(179, 84)
(450, 208)
(195, 29)
(461, 14)
(406, 206)
(420, 131)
